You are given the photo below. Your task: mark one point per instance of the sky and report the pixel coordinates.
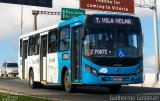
(11, 19)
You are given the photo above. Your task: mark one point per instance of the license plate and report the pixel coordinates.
(117, 79)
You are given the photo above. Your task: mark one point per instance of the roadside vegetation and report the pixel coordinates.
(13, 97)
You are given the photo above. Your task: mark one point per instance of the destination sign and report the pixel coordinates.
(100, 52)
(109, 20)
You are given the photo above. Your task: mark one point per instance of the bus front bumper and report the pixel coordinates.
(112, 80)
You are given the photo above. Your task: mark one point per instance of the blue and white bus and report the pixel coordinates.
(99, 50)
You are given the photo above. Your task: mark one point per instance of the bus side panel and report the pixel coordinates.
(52, 68)
(44, 68)
(33, 61)
(20, 67)
(26, 69)
(63, 63)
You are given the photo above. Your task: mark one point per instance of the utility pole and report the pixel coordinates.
(155, 22)
(36, 12)
(21, 19)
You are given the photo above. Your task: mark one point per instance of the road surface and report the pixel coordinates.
(13, 84)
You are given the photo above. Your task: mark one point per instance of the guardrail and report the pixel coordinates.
(149, 80)
(158, 84)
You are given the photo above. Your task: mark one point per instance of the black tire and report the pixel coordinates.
(39, 85)
(69, 88)
(6, 74)
(114, 88)
(14, 75)
(1, 74)
(32, 83)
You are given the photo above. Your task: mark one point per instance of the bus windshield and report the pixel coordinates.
(122, 42)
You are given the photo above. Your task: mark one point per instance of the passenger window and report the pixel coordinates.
(21, 48)
(44, 45)
(31, 46)
(36, 47)
(64, 39)
(52, 41)
(25, 48)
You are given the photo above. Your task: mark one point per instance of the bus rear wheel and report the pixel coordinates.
(114, 88)
(32, 84)
(67, 84)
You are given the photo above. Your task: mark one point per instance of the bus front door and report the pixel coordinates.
(76, 54)
(43, 60)
(24, 59)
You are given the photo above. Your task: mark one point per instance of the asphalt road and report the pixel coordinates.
(13, 84)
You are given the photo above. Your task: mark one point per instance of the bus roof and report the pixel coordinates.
(39, 31)
(61, 24)
(64, 23)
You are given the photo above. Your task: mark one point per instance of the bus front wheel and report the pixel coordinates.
(114, 88)
(67, 84)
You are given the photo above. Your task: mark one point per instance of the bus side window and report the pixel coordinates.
(52, 41)
(36, 46)
(44, 46)
(21, 48)
(31, 46)
(64, 39)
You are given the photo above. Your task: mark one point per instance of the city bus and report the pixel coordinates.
(89, 50)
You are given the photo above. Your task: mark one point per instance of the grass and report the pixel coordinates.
(13, 97)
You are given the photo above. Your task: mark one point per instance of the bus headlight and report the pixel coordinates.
(91, 70)
(88, 68)
(139, 70)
